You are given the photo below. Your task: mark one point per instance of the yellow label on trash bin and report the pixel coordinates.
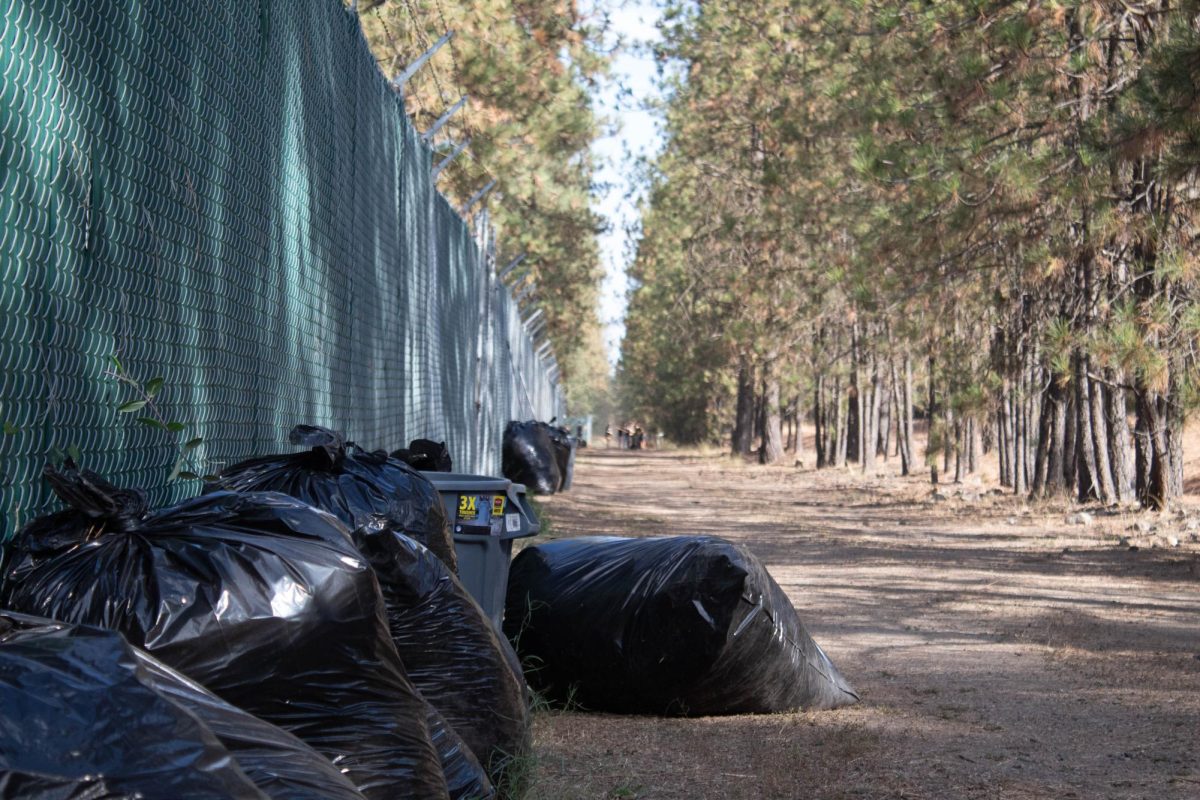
(497, 505)
(468, 506)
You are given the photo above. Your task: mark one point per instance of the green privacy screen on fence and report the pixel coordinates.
(229, 195)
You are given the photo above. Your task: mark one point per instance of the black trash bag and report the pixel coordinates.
(453, 654)
(564, 454)
(426, 455)
(126, 723)
(259, 597)
(355, 486)
(465, 778)
(680, 625)
(77, 723)
(529, 457)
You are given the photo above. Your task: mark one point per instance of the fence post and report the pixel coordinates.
(412, 68)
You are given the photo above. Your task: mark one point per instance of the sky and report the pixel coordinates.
(632, 132)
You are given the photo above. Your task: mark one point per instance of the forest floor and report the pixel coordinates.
(1002, 649)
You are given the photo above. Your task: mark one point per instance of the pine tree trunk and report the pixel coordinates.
(930, 420)
(950, 431)
(907, 417)
(870, 447)
(1143, 456)
(1040, 486)
(798, 416)
(1070, 464)
(1062, 473)
(885, 403)
(1021, 479)
(853, 435)
(1154, 485)
(973, 445)
(1175, 417)
(843, 413)
(903, 397)
(960, 464)
(1026, 422)
(818, 421)
(789, 419)
(760, 415)
(1093, 442)
(771, 449)
(1050, 468)
(744, 427)
(1118, 436)
(836, 424)
(1004, 436)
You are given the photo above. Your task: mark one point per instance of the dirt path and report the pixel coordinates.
(1000, 652)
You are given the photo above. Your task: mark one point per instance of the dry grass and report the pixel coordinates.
(1001, 653)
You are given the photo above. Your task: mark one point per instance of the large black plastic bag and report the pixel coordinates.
(529, 456)
(259, 597)
(453, 654)
(671, 625)
(355, 486)
(119, 719)
(564, 454)
(75, 725)
(465, 778)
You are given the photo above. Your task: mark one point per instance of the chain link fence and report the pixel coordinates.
(228, 195)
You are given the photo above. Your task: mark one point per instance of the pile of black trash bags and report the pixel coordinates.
(298, 631)
(539, 455)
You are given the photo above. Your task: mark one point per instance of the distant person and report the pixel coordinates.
(638, 437)
(607, 436)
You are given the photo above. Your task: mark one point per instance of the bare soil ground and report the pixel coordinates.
(1000, 652)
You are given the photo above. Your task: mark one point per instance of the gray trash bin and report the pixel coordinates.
(485, 515)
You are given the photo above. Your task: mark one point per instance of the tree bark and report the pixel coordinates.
(1004, 436)
(818, 421)
(798, 418)
(904, 416)
(870, 447)
(1089, 484)
(973, 445)
(760, 416)
(1175, 418)
(1050, 469)
(931, 411)
(960, 463)
(744, 428)
(1100, 440)
(1142, 456)
(789, 420)
(771, 449)
(1118, 436)
(1070, 462)
(1154, 485)
(949, 433)
(886, 404)
(842, 410)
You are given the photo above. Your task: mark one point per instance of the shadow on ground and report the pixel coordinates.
(1000, 653)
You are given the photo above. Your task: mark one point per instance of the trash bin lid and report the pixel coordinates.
(464, 482)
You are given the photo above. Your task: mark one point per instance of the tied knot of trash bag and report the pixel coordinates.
(328, 448)
(95, 498)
